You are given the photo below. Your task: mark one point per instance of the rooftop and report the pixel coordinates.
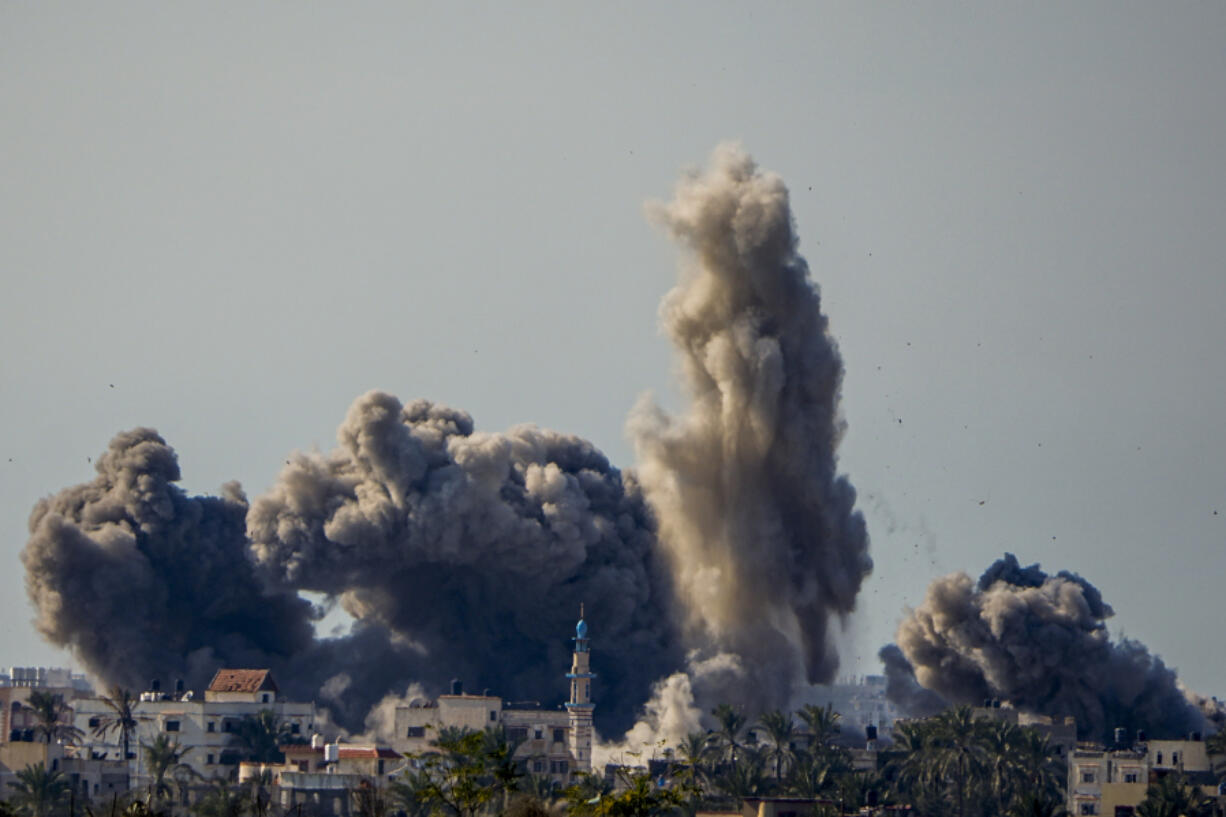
(242, 680)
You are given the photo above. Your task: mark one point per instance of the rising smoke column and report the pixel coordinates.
(766, 547)
(475, 550)
(1040, 643)
(141, 581)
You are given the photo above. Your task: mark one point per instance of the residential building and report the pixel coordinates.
(205, 727)
(323, 777)
(1113, 781)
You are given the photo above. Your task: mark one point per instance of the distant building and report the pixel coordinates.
(323, 777)
(16, 683)
(553, 743)
(206, 728)
(1061, 733)
(1113, 781)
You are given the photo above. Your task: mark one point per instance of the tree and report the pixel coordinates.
(53, 717)
(222, 800)
(728, 736)
(164, 757)
(122, 719)
(452, 781)
(261, 736)
(822, 723)
(499, 754)
(692, 753)
(1037, 804)
(639, 798)
(1173, 796)
(780, 730)
(40, 792)
(958, 753)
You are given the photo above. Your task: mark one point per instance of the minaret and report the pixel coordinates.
(580, 705)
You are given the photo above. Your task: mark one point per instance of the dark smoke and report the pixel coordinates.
(461, 553)
(1040, 643)
(477, 550)
(140, 580)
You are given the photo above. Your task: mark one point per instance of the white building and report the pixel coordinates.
(551, 742)
(206, 728)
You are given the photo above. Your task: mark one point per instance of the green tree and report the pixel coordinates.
(692, 754)
(1173, 796)
(53, 717)
(409, 792)
(1037, 804)
(121, 719)
(959, 754)
(453, 782)
(499, 754)
(780, 730)
(639, 798)
(40, 792)
(164, 759)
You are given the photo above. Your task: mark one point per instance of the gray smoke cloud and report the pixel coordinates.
(1040, 643)
(767, 549)
(140, 580)
(715, 571)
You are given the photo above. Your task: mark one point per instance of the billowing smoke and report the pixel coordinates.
(761, 531)
(476, 549)
(715, 571)
(1040, 643)
(140, 580)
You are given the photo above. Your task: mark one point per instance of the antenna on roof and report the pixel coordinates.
(580, 609)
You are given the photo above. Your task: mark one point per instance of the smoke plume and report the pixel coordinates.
(1040, 643)
(714, 572)
(765, 544)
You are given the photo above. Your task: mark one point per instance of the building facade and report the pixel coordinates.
(1113, 781)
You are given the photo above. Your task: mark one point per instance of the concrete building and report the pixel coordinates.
(551, 742)
(322, 778)
(1113, 781)
(1061, 733)
(205, 727)
(16, 684)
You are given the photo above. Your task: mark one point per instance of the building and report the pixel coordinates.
(1061, 733)
(205, 727)
(16, 683)
(550, 742)
(1113, 781)
(324, 777)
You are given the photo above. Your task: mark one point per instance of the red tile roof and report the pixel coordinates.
(242, 680)
(346, 752)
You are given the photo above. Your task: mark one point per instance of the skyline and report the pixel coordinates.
(1077, 184)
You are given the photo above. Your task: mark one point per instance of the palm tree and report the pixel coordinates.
(779, 730)
(499, 754)
(262, 735)
(224, 801)
(1037, 804)
(822, 722)
(53, 717)
(409, 792)
(746, 778)
(959, 754)
(731, 722)
(692, 752)
(164, 757)
(121, 719)
(40, 792)
(1173, 796)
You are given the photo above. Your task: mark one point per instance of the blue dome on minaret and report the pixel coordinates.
(581, 629)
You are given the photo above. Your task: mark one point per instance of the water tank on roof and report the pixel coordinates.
(457, 686)
(317, 741)
(332, 752)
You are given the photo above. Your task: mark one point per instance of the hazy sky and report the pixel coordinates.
(244, 217)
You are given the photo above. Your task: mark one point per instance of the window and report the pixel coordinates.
(1088, 808)
(536, 734)
(493, 716)
(1130, 777)
(212, 726)
(1087, 776)
(264, 697)
(1174, 758)
(208, 760)
(294, 729)
(417, 731)
(538, 765)
(94, 723)
(227, 726)
(559, 735)
(517, 734)
(172, 726)
(1124, 811)
(1159, 759)
(304, 765)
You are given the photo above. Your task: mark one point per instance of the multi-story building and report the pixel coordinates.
(324, 777)
(553, 743)
(1113, 781)
(16, 683)
(206, 727)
